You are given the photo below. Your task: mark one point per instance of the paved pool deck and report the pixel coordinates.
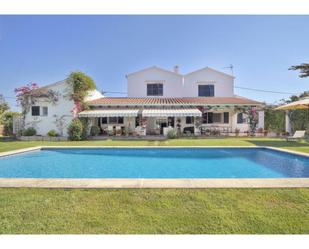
(110, 183)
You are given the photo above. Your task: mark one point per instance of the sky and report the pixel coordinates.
(45, 49)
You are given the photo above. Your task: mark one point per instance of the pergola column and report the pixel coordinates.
(260, 119)
(288, 127)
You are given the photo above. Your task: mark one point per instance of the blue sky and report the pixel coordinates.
(45, 49)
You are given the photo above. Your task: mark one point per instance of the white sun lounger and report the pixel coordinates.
(297, 135)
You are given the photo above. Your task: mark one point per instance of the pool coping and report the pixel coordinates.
(110, 183)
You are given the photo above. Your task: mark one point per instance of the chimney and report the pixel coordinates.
(176, 69)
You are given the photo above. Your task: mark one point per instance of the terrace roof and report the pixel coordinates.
(187, 101)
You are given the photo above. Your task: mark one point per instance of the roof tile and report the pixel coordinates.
(114, 101)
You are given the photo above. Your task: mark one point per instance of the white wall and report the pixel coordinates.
(137, 82)
(63, 107)
(177, 85)
(223, 84)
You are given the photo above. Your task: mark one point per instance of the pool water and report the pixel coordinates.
(155, 163)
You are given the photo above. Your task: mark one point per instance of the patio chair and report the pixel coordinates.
(297, 136)
(110, 130)
(140, 131)
(118, 131)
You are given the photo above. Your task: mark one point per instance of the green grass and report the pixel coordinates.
(193, 211)
(280, 143)
(171, 211)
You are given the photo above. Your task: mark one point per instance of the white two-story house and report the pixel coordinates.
(200, 102)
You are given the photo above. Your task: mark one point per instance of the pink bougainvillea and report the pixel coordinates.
(20, 91)
(78, 107)
(253, 118)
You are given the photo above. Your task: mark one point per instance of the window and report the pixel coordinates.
(137, 121)
(206, 90)
(240, 118)
(217, 117)
(226, 118)
(44, 111)
(207, 118)
(171, 121)
(35, 111)
(189, 120)
(154, 89)
(114, 120)
(120, 120)
(104, 120)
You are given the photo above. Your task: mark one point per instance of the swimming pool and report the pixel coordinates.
(162, 163)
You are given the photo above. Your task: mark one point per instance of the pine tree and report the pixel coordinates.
(304, 69)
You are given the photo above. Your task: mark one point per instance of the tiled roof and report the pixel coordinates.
(211, 101)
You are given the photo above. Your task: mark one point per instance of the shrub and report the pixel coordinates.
(8, 123)
(172, 134)
(75, 130)
(29, 132)
(94, 130)
(52, 133)
(85, 128)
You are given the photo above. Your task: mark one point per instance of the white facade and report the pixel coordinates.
(172, 82)
(223, 83)
(176, 85)
(59, 114)
(208, 91)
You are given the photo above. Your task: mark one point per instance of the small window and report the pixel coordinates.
(44, 111)
(189, 120)
(217, 117)
(120, 120)
(226, 117)
(240, 118)
(35, 111)
(154, 89)
(206, 90)
(104, 120)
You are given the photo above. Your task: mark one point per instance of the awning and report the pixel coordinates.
(179, 112)
(109, 113)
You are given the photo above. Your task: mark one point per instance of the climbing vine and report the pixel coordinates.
(80, 84)
(252, 116)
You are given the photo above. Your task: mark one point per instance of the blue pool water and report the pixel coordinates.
(155, 163)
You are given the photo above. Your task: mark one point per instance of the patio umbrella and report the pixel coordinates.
(296, 105)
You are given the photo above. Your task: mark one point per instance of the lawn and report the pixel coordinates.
(280, 143)
(172, 211)
(154, 211)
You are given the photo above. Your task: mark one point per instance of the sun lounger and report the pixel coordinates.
(297, 136)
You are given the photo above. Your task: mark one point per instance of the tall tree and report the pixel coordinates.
(304, 69)
(3, 107)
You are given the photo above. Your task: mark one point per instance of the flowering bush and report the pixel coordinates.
(75, 130)
(23, 96)
(253, 118)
